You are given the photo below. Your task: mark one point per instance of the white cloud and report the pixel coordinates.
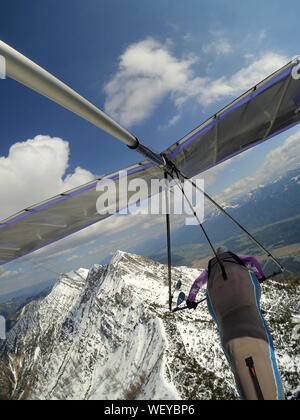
(276, 163)
(212, 175)
(219, 45)
(73, 257)
(174, 120)
(148, 72)
(170, 123)
(10, 273)
(241, 81)
(282, 158)
(35, 170)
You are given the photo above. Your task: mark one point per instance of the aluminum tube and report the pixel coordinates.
(28, 73)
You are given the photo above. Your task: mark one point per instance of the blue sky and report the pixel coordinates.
(201, 54)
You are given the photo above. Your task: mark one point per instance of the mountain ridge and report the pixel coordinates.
(270, 213)
(108, 335)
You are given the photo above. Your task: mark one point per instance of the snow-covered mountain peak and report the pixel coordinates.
(107, 333)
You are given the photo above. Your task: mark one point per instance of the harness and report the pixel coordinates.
(226, 257)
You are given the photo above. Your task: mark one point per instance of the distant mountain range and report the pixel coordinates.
(268, 204)
(273, 208)
(26, 292)
(276, 203)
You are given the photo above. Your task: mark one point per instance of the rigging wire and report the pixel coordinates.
(234, 221)
(179, 184)
(168, 242)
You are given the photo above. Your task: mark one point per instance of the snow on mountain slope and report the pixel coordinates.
(106, 333)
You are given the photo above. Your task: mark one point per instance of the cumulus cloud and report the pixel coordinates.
(276, 163)
(35, 170)
(148, 72)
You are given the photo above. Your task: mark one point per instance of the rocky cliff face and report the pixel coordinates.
(106, 333)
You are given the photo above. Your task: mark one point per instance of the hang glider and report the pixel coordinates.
(264, 111)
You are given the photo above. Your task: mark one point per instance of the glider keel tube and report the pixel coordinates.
(25, 71)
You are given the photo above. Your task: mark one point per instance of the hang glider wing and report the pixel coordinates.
(67, 213)
(266, 110)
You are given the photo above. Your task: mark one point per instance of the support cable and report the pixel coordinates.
(168, 242)
(235, 222)
(179, 184)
